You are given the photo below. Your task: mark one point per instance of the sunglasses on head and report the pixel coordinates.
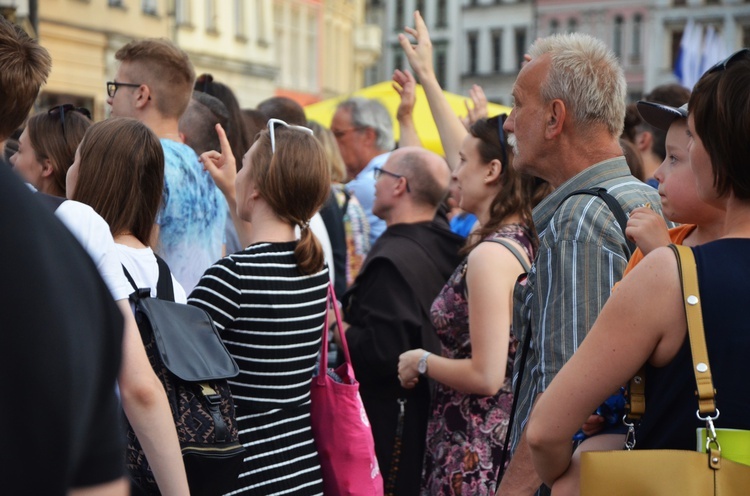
(722, 66)
(67, 107)
(498, 121)
(274, 123)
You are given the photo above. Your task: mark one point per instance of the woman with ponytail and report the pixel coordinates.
(269, 303)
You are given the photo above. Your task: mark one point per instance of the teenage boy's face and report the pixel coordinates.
(677, 187)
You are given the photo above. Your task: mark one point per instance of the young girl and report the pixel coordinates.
(269, 303)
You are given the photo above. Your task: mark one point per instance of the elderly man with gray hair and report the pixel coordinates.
(364, 132)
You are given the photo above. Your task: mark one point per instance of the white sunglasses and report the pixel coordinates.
(272, 123)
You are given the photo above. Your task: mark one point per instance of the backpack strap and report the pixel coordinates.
(614, 207)
(164, 289)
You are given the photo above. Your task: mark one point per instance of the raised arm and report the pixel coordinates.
(405, 85)
(223, 169)
(450, 128)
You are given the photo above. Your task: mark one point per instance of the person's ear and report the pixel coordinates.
(493, 171)
(643, 141)
(142, 96)
(556, 114)
(47, 168)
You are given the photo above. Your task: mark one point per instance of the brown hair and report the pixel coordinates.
(720, 105)
(335, 160)
(24, 67)
(518, 190)
(295, 183)
(165, 68)
(50, 141)
(121, 175)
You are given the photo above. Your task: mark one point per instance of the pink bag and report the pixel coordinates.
(340, 426)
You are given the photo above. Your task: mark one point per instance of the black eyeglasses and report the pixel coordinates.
(67, 107)
(499, 121)
(113, 85)
(378, 171)
(722, 66)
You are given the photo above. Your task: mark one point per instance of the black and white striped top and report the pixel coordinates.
(271, 318)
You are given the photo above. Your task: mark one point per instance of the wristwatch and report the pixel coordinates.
(422, 365)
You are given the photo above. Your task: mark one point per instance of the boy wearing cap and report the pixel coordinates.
(700, 223)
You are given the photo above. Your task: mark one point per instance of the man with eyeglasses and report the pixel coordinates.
(364, 132)
(387, 309)
(154, 84)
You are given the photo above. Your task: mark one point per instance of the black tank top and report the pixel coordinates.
(670, 421)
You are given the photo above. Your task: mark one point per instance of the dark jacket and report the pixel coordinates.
(388, 308)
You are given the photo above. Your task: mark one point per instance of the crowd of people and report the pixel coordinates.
(494, 302)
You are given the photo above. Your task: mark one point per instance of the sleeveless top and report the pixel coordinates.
(670, 421)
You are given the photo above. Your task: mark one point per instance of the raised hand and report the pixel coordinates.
(420, 54)
(222, 166)
(479, 108)
(405, 85)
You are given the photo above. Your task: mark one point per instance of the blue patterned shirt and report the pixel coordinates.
(192, 218)
(363, 187)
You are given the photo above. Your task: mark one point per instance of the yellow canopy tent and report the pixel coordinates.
(322, 112)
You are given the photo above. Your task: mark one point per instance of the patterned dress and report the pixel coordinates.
(271, 319)
(466, 432)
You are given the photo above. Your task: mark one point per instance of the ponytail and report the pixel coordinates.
(309, 252)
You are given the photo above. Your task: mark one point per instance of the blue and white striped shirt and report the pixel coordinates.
(582, 254)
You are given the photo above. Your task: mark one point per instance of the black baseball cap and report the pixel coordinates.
(661, 116)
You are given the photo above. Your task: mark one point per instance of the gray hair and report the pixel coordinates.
(371, 113)
(586, 75)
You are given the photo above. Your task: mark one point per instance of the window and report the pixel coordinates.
(260, 22)
(617, 37)
(398, 57)
(676, 40)
(148, 7)
(520, 37)
(746, 35)
(211, 16)
(471, 43)
(182, 12)
(554, 26)
(239, 19)
(497, 51)
(442, 14)
(421, 8)
(679, 3)
(398, 16)
(441, 62)
(115, 3)
(572, 25)
(635, 56)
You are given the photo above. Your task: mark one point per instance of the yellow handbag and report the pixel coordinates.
(673, 472)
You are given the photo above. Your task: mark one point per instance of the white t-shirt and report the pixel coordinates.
(92, 231)
(143, 268)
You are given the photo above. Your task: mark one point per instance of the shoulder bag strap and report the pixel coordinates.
(164, 288)
(614, 207)
(694, 314)
(514, 251)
